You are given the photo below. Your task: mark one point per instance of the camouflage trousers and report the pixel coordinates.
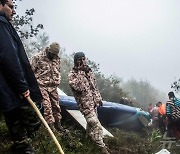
(22, 122)
(52, 110)
(94, 128)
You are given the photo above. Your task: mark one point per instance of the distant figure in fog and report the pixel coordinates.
(150, 107)
(162, 116)
(154, 114)
(173, 115)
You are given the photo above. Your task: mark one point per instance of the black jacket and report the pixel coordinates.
(16, 75)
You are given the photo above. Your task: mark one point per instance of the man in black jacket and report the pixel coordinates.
(17, 81)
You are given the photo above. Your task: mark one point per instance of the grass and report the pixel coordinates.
(146, 141)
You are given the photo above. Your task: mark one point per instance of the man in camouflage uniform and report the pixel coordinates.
(46, 66)
(83, 83)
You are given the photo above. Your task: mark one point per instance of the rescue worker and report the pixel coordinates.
(84, 87)
(17, 81)
(150, 107)
(154, 114)
(46, 66)
(162, 116)
(173, 115)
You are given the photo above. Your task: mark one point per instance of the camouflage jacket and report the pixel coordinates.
(85, 90)
(46, 71)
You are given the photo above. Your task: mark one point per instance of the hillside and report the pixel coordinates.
(75, 142)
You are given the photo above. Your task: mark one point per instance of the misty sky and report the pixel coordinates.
(128, 38)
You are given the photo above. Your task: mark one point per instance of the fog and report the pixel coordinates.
(128, 38)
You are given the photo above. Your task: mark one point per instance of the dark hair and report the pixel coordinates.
(3, 2)
(171, 94)
(78, 55)
(159, 103)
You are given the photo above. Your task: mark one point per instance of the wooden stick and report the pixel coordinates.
(45, 124)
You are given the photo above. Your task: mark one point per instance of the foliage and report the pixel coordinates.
(155, 135)
(36, 44)
(93, 66)
(66, 66)
(130, 142)
(5, 141)
(146, 141)
(110, 88)
(24, 26)
(32, 36)
(72, 142)
(176, 85)
(143, 92)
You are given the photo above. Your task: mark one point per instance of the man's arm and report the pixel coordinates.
(75, 82)
(10, 66)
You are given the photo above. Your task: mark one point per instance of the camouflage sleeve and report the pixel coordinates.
(75, 82)
(98, 97)
(57, 79)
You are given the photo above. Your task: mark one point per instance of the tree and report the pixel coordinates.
(176, 85)
(36, 44)
(32, 36)
(66, 65)
(24, 26)
(143, 92)
(110, 88)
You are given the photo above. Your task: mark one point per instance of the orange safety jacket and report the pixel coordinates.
(162, 109)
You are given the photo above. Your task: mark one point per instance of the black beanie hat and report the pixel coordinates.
(77, 56)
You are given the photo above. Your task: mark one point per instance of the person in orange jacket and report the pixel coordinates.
(162, 116)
